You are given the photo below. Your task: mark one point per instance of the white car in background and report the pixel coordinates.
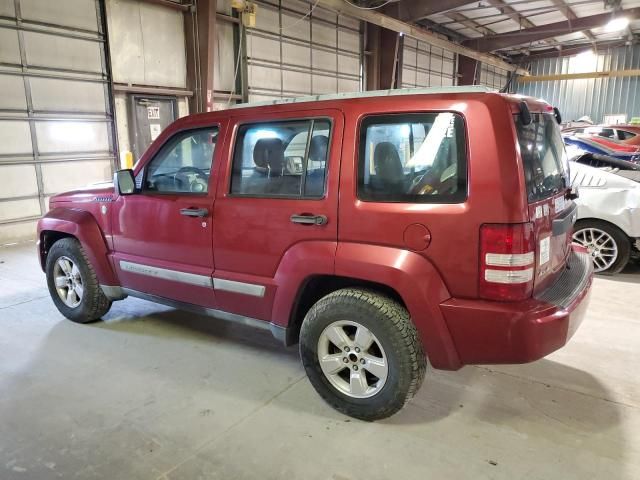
(608, 215)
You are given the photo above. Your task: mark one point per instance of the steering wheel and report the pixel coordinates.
(194, 177)
(424, 184)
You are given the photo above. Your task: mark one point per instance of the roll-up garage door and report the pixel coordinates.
(425, 65)
(493, 77)
(296, 50)
(56, 130)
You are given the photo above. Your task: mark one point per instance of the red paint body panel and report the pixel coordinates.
(427, 253)
(617, 145)
(82, 225)
(253, 235)
(417, 282)
(493, 333)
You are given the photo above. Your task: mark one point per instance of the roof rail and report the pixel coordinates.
(371, 93)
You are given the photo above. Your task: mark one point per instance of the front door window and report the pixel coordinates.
(183, 165)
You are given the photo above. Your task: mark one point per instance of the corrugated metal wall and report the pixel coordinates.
(595, 97)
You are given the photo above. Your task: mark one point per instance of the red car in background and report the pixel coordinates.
(616, 145)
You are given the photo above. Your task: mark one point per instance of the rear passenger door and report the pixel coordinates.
(280, 190)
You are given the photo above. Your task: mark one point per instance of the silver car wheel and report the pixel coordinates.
(600, 245)
(352, 359)
(68, 282)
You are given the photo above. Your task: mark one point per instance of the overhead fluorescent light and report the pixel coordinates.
(617, 24)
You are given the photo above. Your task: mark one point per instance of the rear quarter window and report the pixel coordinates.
(413, 158)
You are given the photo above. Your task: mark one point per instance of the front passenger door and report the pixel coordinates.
(163, 234)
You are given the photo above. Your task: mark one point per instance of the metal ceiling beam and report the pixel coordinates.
(469, 23)
(569, 51)
(635, 72)
(533, 34)
(510, 12)
(416, 32)
(414, 10)
(570, 14)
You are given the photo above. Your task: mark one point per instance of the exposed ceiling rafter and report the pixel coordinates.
(542, 32)
(414, 10)
(570, 14)
(396, 25)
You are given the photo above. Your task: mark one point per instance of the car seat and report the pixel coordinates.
(315, 177)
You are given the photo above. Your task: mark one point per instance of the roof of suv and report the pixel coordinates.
(514, 99)
(371, 93)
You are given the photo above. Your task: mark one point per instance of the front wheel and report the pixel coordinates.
(607, 245)
(73, 284)
(361, 353)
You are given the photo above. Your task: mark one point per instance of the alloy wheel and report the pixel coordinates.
(601, 247)
(68, 282)
(352, 359)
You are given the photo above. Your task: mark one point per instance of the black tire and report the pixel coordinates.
(390, 323)
(619, 237)
(94, 304)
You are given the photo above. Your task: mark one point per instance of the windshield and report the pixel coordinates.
(544, 159)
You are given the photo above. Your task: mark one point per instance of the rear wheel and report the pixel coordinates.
(73, 284)
(361, 353)
(608, 246)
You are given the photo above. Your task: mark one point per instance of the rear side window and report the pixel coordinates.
(281, 159)
(413, 158)
(544, 159)
(624, 135)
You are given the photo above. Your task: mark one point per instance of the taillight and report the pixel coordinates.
(507, 261)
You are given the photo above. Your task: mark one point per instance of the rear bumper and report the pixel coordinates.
(487, 332)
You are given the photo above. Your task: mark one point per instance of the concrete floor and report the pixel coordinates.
(156, 393)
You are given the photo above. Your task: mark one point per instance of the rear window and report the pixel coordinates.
(545, 163)
(413, 158)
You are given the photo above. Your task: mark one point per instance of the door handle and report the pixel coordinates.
(194, 212)
(308, 219)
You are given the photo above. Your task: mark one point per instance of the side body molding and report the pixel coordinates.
(418, 283)
(82, 225)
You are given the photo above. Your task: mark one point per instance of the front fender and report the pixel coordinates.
(419, 284)
(83, 226)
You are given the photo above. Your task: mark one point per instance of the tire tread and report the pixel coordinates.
(415, 362)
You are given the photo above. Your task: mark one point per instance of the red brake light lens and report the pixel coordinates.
(507, 261)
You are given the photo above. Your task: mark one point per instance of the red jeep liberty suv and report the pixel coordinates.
(378, 230)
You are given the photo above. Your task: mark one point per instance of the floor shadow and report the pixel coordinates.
(630, 274)
(495, 394)
(146, 318)
(543, 390)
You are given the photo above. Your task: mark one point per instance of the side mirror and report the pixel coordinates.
(124, 182)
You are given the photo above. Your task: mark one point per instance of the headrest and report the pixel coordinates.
(387, 162)
(269, 152)
(318, 148)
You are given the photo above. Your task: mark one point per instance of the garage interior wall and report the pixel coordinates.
(291, 56)
(595, 97)
(55, 109)
(147, 47)
(227, 66)
(493, 77)
(424, 65)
